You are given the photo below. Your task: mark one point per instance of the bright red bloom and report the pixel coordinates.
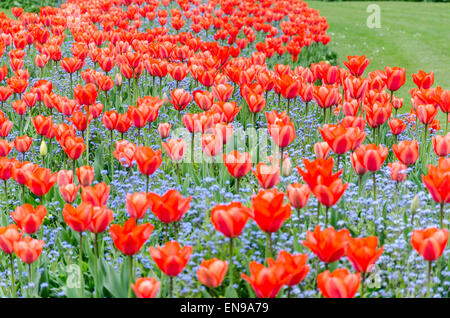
(282, 132)
(342, 139)
(212, 272)
(229, 110)
(212, 144)
(338, 284)
(101, 218)
(85, 175)
(437, 181)
(28, 249)
(407, 151)
(146, 287)
(69, 192)
(85, 95)
(180, 98)
(441, 145)
(40, 181)
(6, 147)
(137, 204)
(147, 159)
(371, 157)
(397, 126)
(329, 245)
(230, 219)
(397, 171)
(363, 252)
(322, 150)
(96, 195)
(326, 96)
(268, 176)
(294, 265)
(430, 243)
(266, 281)
(268, 210)
(395, 77)
(427, 113)
(175, 149)
(170, 207)
(28, 218)
(298, 195)
(78, 218)
(130, 238)
(171, 258)
(356, 64)
(423, 80)
(8, 235)
(238, 164)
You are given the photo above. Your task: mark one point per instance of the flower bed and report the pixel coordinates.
(148, 150)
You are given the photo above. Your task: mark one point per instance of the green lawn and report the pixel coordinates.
(412, 35)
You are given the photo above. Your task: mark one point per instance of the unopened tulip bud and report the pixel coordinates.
(287, 167)
(43, 149)
(415, 204)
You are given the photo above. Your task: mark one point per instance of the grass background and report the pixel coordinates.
(412, 35)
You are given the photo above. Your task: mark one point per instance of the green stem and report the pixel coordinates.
(13, 280)
(269, 241)
(429, 279)
(231, 261)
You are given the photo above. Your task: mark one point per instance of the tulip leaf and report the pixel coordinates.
(98, 163)
(230, 292)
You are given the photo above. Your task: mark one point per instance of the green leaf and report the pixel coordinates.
(98, 163)
(230, 292)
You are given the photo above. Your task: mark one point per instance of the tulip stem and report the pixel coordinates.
(80, 262)
(374, 186)
(288, 106)
(87, 135)
(30, 278)
(429, 279)
(13, 280)
(146, 183)
(131, 277)
(441, 214)
(73, 168)
(326, 216)
(269, 240)
(231, 260)
(363, 280)
(237, 185)
(318, 212)
(281, 160)
(171, 287)
(111, 154)
(192, 147)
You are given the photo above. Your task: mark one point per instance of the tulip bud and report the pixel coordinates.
(287, 167)
(118, 79)
(43, 148)
(415, 204)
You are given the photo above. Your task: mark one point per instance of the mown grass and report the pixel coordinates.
(412, 35)
(7, 12)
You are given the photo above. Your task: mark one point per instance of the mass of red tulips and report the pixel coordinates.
(151, 145)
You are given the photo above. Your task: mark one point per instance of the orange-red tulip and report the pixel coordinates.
(28, 249)
(329, 245)
(171, 258)
(146, 287)
(28, 218)
(268, 210)
(212, 272)
(130, 238)
(8, 235)
(170, 207)
(338, 284)
(363, 252)
(230, 219)
(430, 243)
(407, 151)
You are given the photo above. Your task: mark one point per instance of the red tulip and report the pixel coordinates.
(28, 218)
(268, 210)
(230, 219)
(407, 151)
(171, 258)
(69, 192)
(212, 272)
(329, 245)
(356, 64)
(8, 235)
(130, 238)
(395, 77)
(85, 95)
(78, 218)
(371, 157)
(298, 195)
(170, 207)
(147, 160)
(397, 171)
(363, 253)
(268, 176)
(294, 265)
(175, 149)
(266, 281)
(338, 284)
(238, 164)
(95, 195)
(441, 145)
(423, 80)
(85, 175)
(430, 243)
(28, 249)
(146, 287)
